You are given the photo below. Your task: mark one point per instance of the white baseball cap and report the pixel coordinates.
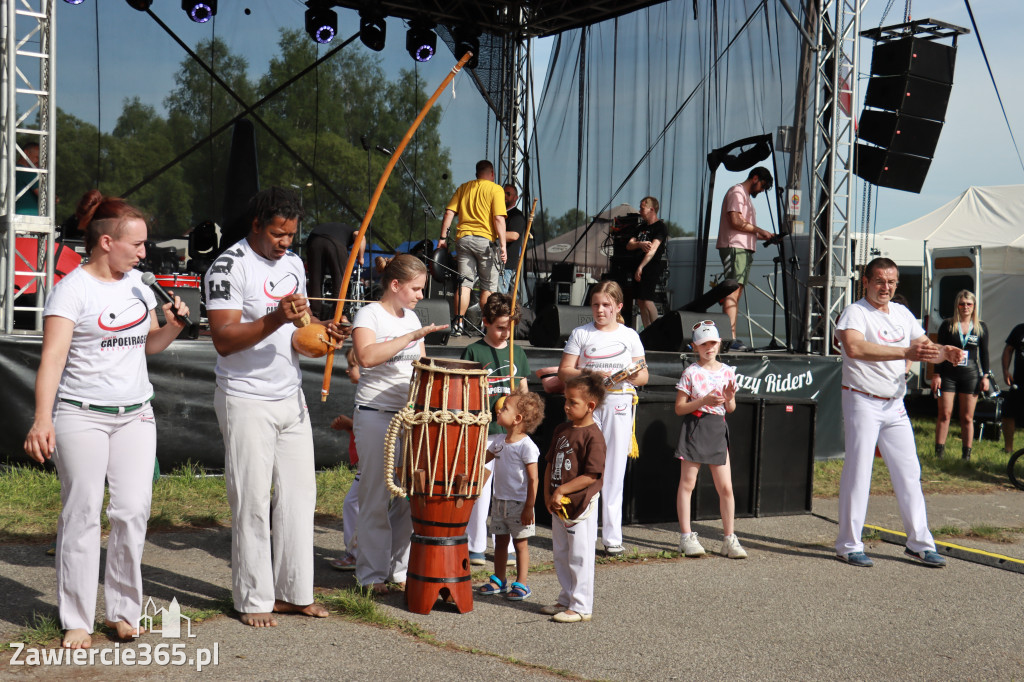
(705, 331)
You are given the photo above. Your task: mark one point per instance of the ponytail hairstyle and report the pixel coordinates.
(401, 267)
(98, 215)
(613, 291)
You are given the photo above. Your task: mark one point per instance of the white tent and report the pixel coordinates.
(590, 255)
(992, 217)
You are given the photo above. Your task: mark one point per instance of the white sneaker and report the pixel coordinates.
(732, 549)
(688, 545)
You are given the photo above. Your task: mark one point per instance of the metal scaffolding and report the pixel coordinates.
(832, 154)
(27, 100)
(512, 150)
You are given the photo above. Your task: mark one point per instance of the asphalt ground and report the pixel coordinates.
(789, 611)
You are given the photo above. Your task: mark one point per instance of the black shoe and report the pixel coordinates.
(965, 453)
(737, 346)
(940, 450)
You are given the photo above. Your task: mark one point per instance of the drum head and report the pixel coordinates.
(438, 261)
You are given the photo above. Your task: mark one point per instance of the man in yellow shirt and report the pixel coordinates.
(480, 239)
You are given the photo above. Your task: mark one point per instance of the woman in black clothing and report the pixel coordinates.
(967, 379)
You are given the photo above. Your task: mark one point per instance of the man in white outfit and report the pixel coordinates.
(877, 337)
(255, 291)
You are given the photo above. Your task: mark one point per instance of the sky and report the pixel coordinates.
(140, 59)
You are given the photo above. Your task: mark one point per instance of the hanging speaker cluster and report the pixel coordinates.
(905, 107)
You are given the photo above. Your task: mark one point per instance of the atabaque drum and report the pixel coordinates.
(443, 454)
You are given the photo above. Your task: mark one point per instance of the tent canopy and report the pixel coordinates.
(592, 252)
(992, 217)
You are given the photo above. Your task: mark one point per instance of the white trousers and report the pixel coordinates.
(573, 549)
(268, 444)
(477, 528)
(93, 446)
(350, 517)
(385, 523)
(615, 419)
(868, 421)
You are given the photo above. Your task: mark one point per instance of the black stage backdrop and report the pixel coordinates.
(183, 381)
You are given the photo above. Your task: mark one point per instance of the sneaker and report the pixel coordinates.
(688, 545)
(737, 346)
(732, 549)
(477, 559)
(856, 559)
(614, 550)
(456, 330)
(928, 557)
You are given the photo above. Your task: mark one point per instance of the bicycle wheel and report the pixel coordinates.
(1015, 468)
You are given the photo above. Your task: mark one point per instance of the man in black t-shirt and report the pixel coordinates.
(515, 229)
(327, 249)
(650, 239)
(1014, 405)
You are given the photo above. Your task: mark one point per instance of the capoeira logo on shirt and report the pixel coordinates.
(892, 335)
(402, 355)
(499, 375)
(606, 352)
(124, 315)
(288, 284)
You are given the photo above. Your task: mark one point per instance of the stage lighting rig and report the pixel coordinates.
(421, 41)
(199, 11)
(321, 24)
(372, 29)
(467, 39)
(75, 2)
(141, 5)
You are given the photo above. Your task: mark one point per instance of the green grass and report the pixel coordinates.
(981, 532)
(41, 630)
(184, 498)
(985, 472)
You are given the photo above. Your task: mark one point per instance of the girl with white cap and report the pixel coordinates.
(706, 391)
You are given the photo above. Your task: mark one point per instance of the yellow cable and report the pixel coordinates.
(1001, 557)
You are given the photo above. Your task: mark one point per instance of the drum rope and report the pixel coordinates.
(408, 417)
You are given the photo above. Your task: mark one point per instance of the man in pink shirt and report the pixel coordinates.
(737, 238)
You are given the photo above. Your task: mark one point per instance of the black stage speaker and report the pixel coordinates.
(909, 95)
(886, 168)
(900, 133)
(190, 297)
(673, 331)
(785, 467)
(553, 324)
(914, 56)
(434, 311)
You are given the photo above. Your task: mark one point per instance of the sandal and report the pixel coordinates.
(345, 563)
(495, 586)
(519, 592)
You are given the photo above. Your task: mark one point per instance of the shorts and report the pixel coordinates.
(505, 519)
(476, 257)
(1013, 405)
(704, 439)
(964, 380)
(650, 277)
(736, 263)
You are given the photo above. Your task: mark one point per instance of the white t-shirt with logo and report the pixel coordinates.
(241, 279)
(605, 351)
(510, 460)
(386, 386)
(698, 382)
(896, 328)
(106, 362)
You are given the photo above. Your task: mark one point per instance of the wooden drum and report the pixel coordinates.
(443, 452)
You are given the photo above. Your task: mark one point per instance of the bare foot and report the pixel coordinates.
(315, 610)
(258, 620)
(380, 589)
(77, 639)
(125, 630)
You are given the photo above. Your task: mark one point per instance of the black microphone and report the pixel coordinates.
(385, 150)
(149, 279)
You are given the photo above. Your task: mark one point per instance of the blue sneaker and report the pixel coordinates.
(477, 559)
(928, 557)
(856, 559)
